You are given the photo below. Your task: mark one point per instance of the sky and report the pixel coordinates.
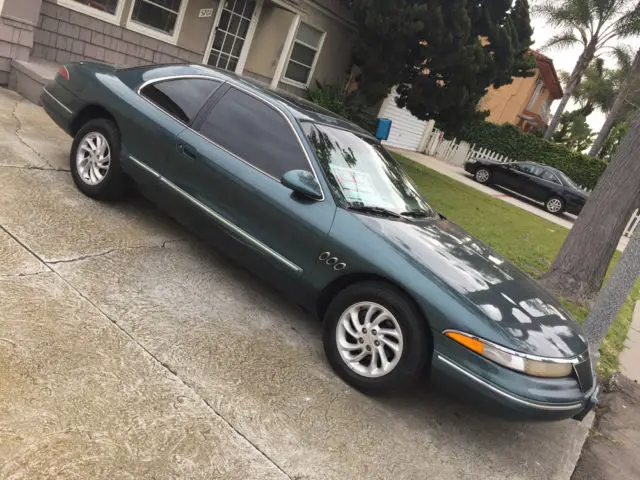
(565, 59)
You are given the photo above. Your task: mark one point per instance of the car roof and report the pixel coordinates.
(299, 108)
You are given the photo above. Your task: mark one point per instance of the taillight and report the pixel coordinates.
(63, 72)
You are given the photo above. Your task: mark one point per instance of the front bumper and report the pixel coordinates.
(514, 405)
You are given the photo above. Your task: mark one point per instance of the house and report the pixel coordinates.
(288, 44)
(527, 101)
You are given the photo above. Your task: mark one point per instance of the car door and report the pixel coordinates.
(166, 108)
(550, 184)
(237, 154)
(520, 178)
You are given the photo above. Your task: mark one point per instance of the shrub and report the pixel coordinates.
(508, 140)
(348, 105)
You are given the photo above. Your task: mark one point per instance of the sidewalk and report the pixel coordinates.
(611, 452)
(457, 173)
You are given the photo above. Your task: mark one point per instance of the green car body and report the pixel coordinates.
(309, 245)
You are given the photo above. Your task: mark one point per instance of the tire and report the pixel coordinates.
(403, 369)
(103, 183)
(482, 175)
(555, 205)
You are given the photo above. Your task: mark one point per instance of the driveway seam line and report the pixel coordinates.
(17, 132)
(34, 167)
(144, 349)
(174, 373)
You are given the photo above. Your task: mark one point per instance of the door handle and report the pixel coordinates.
(187, 151)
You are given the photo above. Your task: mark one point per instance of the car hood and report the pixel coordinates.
(518, 308)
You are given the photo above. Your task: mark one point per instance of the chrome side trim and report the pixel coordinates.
(218, 217)
(475, 378)
(248, 92)
(573, 361)
(69, 111)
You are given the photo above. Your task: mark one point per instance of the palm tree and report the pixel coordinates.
(627, 91)
(592, 24)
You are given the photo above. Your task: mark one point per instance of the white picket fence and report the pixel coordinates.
(633, 224)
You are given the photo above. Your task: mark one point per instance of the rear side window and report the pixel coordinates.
(549, 176)
(182, 98)
(255, 132)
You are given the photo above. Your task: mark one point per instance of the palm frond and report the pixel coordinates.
(564, 39)
(624, 56)
(627, 23)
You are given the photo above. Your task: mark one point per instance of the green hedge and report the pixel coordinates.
(508, 140)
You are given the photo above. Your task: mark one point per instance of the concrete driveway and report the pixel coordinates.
(128, 349)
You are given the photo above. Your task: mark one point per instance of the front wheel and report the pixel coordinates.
(554, 205)
(375, 338)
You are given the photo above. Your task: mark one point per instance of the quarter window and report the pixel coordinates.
(160, 15)
(304, 53)
(255, 132)
(182, 98)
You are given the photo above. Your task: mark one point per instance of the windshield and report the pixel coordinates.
(362, 173)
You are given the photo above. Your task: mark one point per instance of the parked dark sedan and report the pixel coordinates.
(538, 182)
(315, 205)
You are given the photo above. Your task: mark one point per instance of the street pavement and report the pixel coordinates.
(129, 349)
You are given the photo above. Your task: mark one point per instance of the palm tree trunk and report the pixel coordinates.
(579, 268)
(614, 114)
(574, 80)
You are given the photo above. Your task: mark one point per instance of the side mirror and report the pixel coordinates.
(303, 182)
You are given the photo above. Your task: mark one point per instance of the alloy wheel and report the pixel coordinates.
(554, 205)
(483, 175)
(93, 158)
(369, 339)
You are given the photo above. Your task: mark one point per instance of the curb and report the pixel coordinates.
(630, 356)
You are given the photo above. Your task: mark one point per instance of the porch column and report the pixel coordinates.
(17, 21)
(286, 48)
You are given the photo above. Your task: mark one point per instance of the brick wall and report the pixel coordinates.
(16, 40)
(63, 35)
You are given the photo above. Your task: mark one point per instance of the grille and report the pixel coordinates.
(584, 374)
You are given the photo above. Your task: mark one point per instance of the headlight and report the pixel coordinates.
(515, 361)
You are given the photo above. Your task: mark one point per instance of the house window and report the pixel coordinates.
(106, 10)
(304, 54)
(536, 93)
(159, 15)
(108, 6)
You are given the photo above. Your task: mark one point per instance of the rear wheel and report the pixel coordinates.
(554, 205)
(95, 160)
(375, 338)
(482, 175)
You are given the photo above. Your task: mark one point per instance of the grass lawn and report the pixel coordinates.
(527, 240)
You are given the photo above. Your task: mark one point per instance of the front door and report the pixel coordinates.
(240, 150)
(232, 35)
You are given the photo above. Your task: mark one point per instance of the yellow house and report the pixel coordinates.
(526, 102)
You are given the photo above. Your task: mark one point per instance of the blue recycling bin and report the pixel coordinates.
(384, 128)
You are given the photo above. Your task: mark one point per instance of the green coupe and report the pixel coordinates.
(315, 205)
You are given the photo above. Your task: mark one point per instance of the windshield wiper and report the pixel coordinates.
(374, 210)
(417, 214)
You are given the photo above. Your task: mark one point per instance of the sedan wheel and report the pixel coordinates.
(554, 205)
(482, 175)
(375, 338)
(95, 160)
(369, 339)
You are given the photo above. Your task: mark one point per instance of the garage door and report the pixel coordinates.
(406, 130)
